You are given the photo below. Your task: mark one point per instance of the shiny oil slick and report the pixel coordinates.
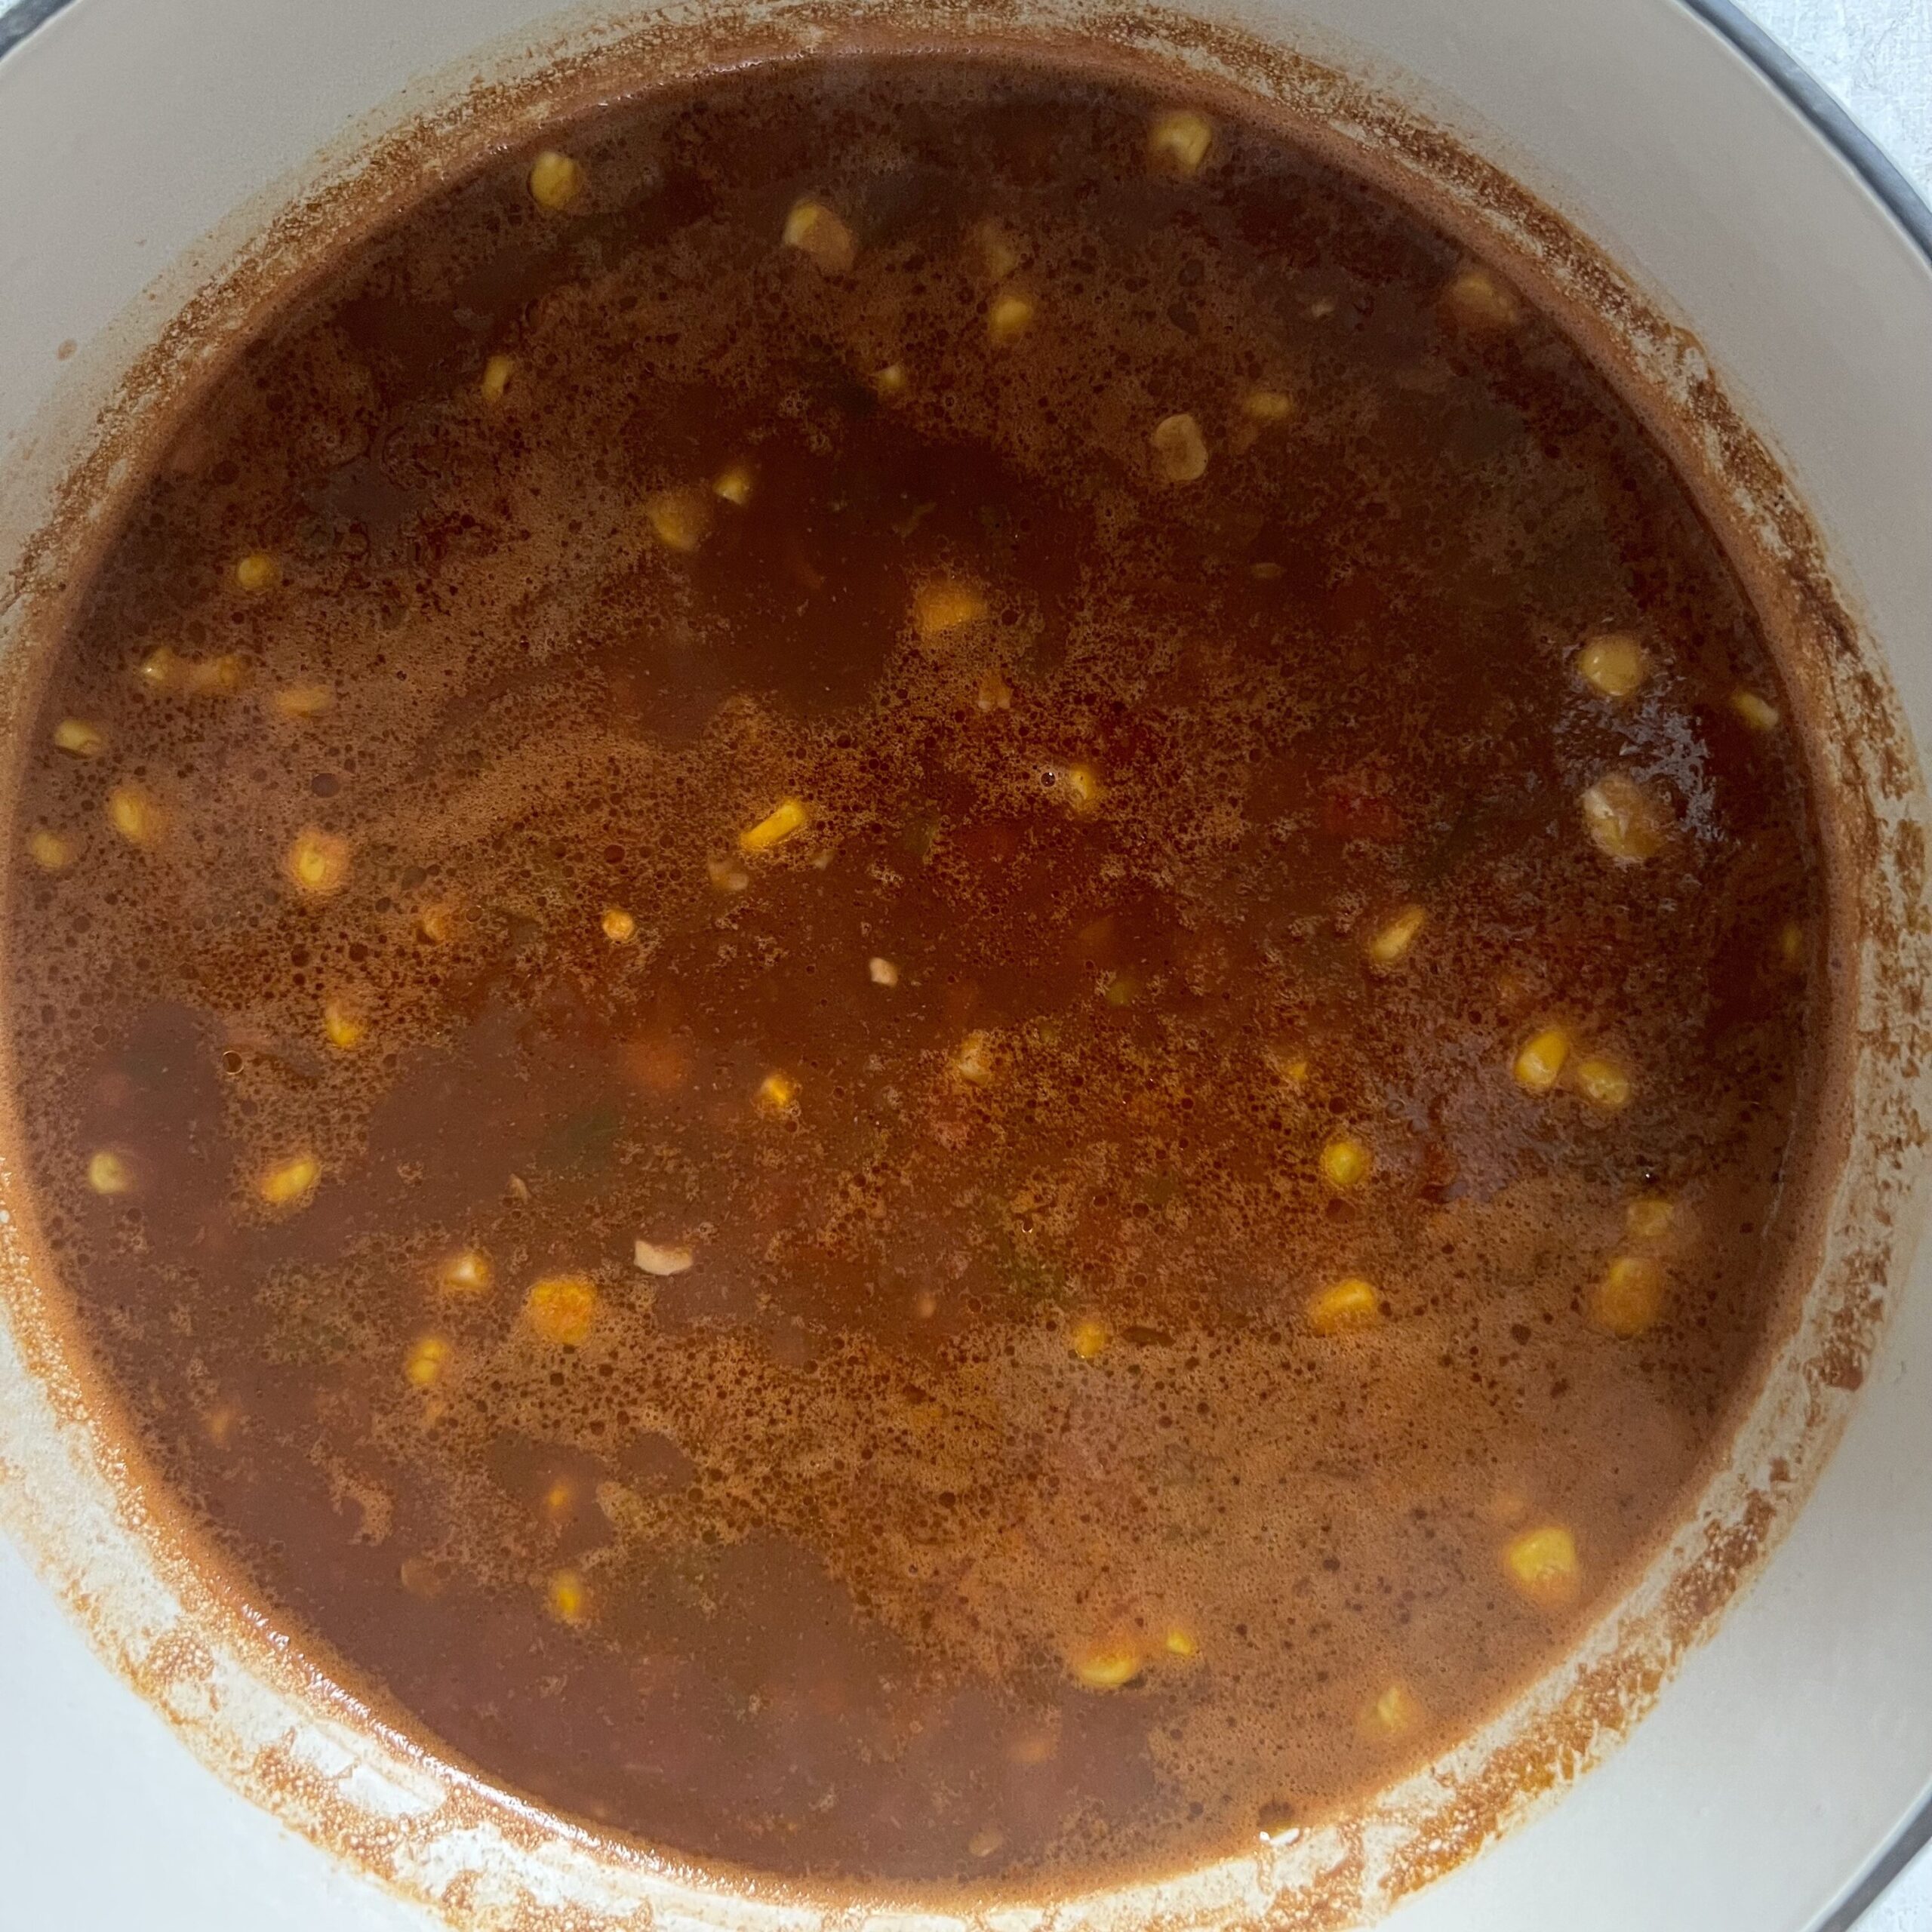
(910, 965)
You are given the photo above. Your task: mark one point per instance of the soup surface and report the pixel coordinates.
(908, 969)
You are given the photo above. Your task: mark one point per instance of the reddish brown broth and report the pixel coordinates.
(985, 1499)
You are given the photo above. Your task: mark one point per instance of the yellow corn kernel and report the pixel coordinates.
(943, 606)
(560, 1309)
(1791, 945)
(1268, 408)
(555, 180)
(1538, 1062)
(1289, 1065)
(993, 694)
(815, 232)
(1759, 713)
(1629, 1299)
(257, 572)
(110, 1173)
(682, 518)
(1394, 939)
(467, 1272)
(1080, 785)
(1615, 664)
(881, 972)
(890, 381)
(1649, 1217)
(787, 817)
(1180, 139)
(1180, 450)
(727, 875)
(303, 700)
(428, 1355)
(134, 815)
(161, 668)
(437, 923)
(51, 851)
(1542, 1564)
(1603, 1083)
(660, 1258)
(734, 484)
(289, 1183)
(620, 928)
(1625, 822)
(1180, 1642)
(568, 1601)
(1347, 1308)
(1480, 299)
(777, 1094)
(215, 677)
(78, 738)
(343, 1027)
(1109, 1666)
(1009, 315)
(973, 1062)
(496, 374)
(317, 862)
(1396, 1713)
(1345, 1162)
(1090, 1337)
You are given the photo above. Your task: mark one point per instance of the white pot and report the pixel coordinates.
(147, 148)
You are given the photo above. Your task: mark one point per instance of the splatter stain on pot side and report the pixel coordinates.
(1098, 890)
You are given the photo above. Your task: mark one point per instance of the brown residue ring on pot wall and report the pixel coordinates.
(277, 1725)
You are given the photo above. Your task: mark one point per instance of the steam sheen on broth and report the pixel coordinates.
(909, 962)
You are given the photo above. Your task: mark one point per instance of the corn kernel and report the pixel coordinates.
(733, 484)
(1345, 1162)
(1349, 1307)
(215, 677)
(973, 1062)
(317, 862)
(620, 928)
(944, 606)
(1625, 822)
(560, 1309)
(815, 231)
(1759, 713)
(777, 1094)
(1791, 945)
(1090, 1337)
(555, 180)
(993, 694)
(257, 572)
(110, 1173)
(290, 1183)
(1009, 315)
(496, 374)
(1603, 1083)
(788, 817)
(303, 700)
(568, 1600)
(428, 1355)
(160, 668)
(890, 381)
(1393, 941)
(727, 875)
(1395, 1713)
(1180, 1642)
(1649, 1217)
(1268, 408)
(682, 518)
(1542, 1564)
(1288, 1065)
(1180, 139)
(1629, 1299)
(466, 1273)
(342, 1026)
(1180, 450)
(986, 1841)
(1539, 1060)
(1107, 1667)
(1479, 300)
(1615, 664)
(660, 1259)
(51, 851)
(134, 815)
(881, 972)
(437, 923)
(1080, 785)
(78, 738)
